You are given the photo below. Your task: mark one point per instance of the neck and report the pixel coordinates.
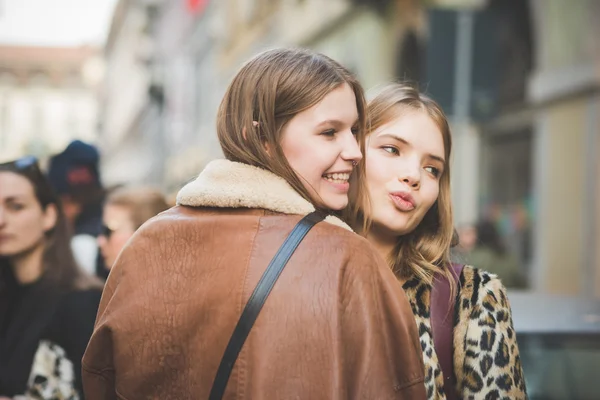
(383, 242)
(28, 266)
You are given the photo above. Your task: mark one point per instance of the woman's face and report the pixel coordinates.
(117, 230)
(405, 160)
(23, 222)
(320, 145)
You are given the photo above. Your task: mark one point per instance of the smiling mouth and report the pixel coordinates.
(337, 178)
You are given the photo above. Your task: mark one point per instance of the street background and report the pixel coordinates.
(519, 79)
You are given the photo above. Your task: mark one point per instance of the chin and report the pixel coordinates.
(335, 204)
(394, 224)
(8, 252)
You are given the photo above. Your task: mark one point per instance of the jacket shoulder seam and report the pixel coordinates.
(240, 360)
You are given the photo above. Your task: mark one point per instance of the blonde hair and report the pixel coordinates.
(267, 92)
(425, 251)
(143, 203)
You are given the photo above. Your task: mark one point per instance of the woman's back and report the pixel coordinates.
(200, 262)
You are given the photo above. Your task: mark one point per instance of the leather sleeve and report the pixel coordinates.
(98, 374)
(382, 353)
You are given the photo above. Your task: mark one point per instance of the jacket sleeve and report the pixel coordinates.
(382, 356)
(98, 374)
(487, 360)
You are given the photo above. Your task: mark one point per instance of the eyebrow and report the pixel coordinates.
(13, 198)
(335, 122)
(401, 140)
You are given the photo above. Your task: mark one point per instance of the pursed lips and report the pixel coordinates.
(404, 201)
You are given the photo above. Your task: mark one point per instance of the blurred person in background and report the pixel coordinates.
(491, 254)
(75, 176)
(468, 345)
(336, 324)
(125, 211)
(467, 238)
(47, 304)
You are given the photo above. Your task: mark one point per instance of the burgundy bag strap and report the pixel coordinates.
(442, 325)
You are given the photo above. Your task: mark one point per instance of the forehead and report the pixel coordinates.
(340, 103)
(417, 128)
(115, 213)
(15, 185)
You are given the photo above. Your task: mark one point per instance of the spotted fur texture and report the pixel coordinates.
(486, 357)
(52, 376)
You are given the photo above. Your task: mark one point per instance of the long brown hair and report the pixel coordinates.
(267, 92)
(425, 251)
(60, 268)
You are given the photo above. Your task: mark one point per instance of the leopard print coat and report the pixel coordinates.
(486, 357)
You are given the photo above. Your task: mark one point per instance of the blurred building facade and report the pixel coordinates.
(48, 96)
(519, 80)
(130, 130)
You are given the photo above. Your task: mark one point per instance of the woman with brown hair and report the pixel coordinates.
(180, 318)
(47, 305)
(125, 211)
(408, 178)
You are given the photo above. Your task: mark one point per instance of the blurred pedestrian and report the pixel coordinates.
(335, 325)
(47, 304)
(125, 210)
(469, 349)
(75, 175)
(467, 238)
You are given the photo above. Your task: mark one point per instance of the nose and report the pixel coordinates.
(411, 176)
(350, 149)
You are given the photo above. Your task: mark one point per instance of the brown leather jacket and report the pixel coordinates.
(336, 325)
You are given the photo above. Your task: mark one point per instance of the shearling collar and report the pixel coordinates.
(225, 183)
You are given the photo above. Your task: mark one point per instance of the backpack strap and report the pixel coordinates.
(442, 325)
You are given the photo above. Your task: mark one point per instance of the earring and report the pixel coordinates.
(354, 163)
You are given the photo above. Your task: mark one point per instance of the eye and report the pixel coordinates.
(355, 130)
(329, 133)
(433, 171)
(15, 206)
(391, 149)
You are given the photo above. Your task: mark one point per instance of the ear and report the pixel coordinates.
(50, 217)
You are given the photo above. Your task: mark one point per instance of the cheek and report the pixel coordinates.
(294, 149)
(30, 225)
(118, 241)
(378, 172)
(28, 230)
(430, 195)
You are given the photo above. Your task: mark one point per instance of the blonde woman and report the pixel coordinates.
(125, 211)
(475, 355)
(335, 324)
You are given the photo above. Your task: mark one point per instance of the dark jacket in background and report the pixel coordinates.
(39, 319)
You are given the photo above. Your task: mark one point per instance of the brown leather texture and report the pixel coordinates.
(337, 324)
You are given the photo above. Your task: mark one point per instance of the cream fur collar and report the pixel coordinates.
(226, 183)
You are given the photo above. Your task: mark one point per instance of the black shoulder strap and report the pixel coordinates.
(257, 300)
